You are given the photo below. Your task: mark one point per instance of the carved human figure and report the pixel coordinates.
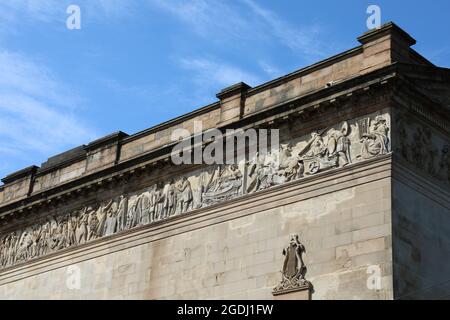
(158, 201)
(291, 167)
(376, 141)
(170, 201)
(64, 231)
(43, 246)
(223, 185)
(102, 214)
(134, 213)
(294, 269)
(318, 147)
(339, 145)
(293, 265)
(403, 145)
(72, 229)
(146, 205)
(122, 213)
(430, 152)
(444, 164)
(111, 220)
(93, 225)
(184, 195)
(83, 221)
(36, 237)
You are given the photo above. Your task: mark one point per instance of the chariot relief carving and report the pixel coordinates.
(333, 147)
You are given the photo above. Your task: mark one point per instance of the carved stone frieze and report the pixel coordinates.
(333, 147)
(425, 149)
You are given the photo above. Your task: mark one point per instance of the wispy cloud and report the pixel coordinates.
(244, 19)
(14, 13)
(299, 39)
(37, 113)
(269, 69)
(211, 73)
(214, 19)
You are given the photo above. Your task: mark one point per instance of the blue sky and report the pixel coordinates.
(136, 63)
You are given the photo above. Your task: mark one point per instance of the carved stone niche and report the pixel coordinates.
(293, 285)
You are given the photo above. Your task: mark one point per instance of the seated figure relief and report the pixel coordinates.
(374, 137)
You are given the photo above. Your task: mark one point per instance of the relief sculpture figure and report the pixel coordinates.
(185, 197)
(225, 183)
(375, 142)
(170, 201)
(321, 153)
(294, 269)
(122, 213)
(111, 220)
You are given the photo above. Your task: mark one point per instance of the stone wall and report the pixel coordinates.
(421, 238)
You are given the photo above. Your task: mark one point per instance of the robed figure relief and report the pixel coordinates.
(374, 137)
(294, 269)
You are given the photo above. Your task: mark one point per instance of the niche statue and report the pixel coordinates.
(294, 269)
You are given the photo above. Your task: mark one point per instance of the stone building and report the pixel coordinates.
(358, 208)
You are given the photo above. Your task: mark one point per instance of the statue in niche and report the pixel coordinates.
(225, 183)
(294, 269)
(374, 137)
(184, 195)
(122, 213)
(111, 220)
(170, 201)
(322, 154)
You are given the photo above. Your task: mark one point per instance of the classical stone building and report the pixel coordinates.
(358, 208)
